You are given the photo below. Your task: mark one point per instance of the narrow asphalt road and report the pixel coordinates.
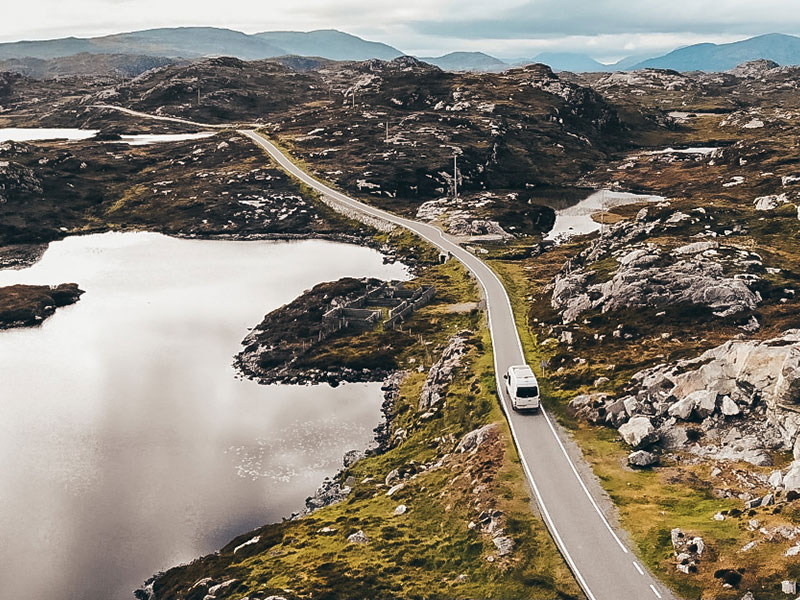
(600, 561)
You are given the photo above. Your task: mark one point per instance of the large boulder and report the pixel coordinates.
(638, 432)
(791, 481)
(787, 388)
(642, 458)
(683, 408)
(475, 438)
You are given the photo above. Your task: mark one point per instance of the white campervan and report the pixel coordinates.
(523, 388)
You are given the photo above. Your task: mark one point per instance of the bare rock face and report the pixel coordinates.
(693, 274)
(443, 370)
(473, 440)
(754, 68)
(739, 400)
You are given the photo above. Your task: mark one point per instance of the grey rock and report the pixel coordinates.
(642, 458)
(359, 537)
(787, 388)
(791, 480)
(729, 408)
(392, 476)
(474, 439)
(213, 590)
(695, 248)
(504, 545)
(601, 381)
(441, 373)
(616, 413)
(776, 479)
(683, 408)
(638, 432)
(647, 279)
(789, 586)
(705, 402)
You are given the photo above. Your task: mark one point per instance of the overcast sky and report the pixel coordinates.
(605, 29)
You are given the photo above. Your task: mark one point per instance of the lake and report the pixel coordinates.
(16, 134)
(577, 219)
(127, 444)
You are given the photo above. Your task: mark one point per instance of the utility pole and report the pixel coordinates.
(455, 176)
(354, 97)
(198, 95)
(387, 131)
(602, 214)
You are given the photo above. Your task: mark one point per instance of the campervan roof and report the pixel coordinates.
(523, 372)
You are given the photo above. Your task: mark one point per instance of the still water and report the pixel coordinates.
(577, 219)
(127, 445)
(15, 134)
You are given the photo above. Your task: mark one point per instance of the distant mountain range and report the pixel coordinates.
(466, 61)
(195, 42)
(783, 49)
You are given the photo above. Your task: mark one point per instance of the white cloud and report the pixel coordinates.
(507, 28)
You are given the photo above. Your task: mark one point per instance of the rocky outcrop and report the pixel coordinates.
(738, 402)
(688, 550)
(754, 68)
(442, 372)
(17, 181)
(30, 305)
(698, 273)
(474, 439)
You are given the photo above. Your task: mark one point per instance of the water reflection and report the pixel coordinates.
(126, 443)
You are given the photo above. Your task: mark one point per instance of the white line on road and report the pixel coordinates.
(655, 591)
(638, 568)
(583, 485)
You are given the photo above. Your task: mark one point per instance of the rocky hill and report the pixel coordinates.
(515, 133)
(122, 66)
(195, 42)
(783, 49)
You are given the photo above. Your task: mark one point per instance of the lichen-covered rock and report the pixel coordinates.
(17, 181)
(504, 545)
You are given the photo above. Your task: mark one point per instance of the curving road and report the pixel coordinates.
(604, 567)
(600, 561)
